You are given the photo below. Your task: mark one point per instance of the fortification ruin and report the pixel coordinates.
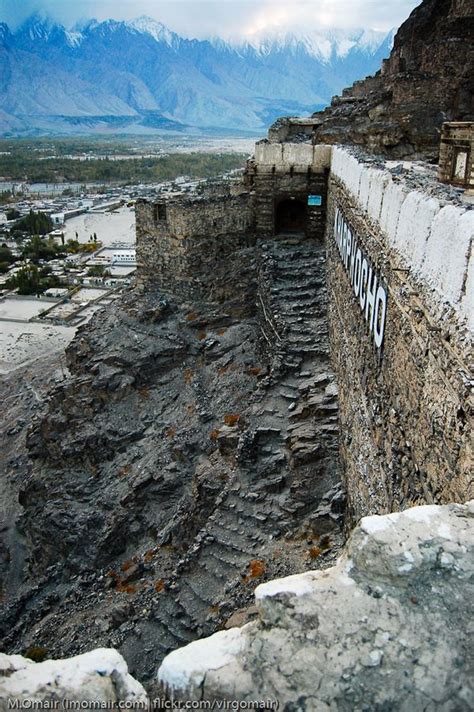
(360, 182)
(399, 273)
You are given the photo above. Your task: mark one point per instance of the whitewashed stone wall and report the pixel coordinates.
(99, 677)
(383, 629)
(405, 413)
(434, 241)
(298, 155)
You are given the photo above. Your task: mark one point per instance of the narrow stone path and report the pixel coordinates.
(287, 457)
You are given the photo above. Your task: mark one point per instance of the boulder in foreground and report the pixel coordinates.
(99, 676)
(388, 627)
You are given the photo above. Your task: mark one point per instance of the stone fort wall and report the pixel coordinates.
(289, 171)
(400, 282)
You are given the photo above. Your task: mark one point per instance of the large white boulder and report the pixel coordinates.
(98, 676)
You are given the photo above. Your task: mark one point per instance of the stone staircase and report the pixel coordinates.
(286, 457)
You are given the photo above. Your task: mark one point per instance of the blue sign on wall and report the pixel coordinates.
(315, 199)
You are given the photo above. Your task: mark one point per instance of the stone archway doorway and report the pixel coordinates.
(290, 217)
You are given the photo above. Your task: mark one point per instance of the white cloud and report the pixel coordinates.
(204, 18)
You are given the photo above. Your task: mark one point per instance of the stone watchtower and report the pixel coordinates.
(185, 241)
(456, 154)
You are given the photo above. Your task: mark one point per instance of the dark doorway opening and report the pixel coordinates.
(290, 217)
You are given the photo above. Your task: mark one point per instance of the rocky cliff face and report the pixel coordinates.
(191, 453)
(428, 79)
(384, 629)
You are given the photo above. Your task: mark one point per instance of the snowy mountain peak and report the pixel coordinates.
(141, 70)
(322, 45)
(149, 26)
(39, 26)
(73, 38)
(370, 40)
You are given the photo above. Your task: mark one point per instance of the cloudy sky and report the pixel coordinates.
(225, 18)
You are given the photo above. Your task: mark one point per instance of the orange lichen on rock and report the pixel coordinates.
(128, 564)
(314, 552)
(256, 568)
(159, 585)
(188, 375)
(126, 587)
(231, 419)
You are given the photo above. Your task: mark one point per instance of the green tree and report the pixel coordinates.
(37, 248)
(26, 280)
(98, 271)
(12, 214)
(73, 246)
(5, 197)
(35, 223)
(7, 258)
(32, 280)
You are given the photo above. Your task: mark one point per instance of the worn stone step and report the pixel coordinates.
(220, 568)
(179, 630)
(228, 537)
(253, 519)
(194, 599)
(231, 558)
(254, 515)
(227, 565)
(167, 638)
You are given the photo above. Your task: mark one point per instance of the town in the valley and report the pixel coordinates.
(81, 260)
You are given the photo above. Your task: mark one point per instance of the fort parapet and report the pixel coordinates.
(400, 277)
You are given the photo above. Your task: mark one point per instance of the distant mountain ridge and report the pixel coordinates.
(139, 75)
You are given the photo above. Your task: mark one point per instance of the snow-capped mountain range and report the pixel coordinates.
(139, 76)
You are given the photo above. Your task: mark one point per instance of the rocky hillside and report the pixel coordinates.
(428, 79)
(191, 453)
